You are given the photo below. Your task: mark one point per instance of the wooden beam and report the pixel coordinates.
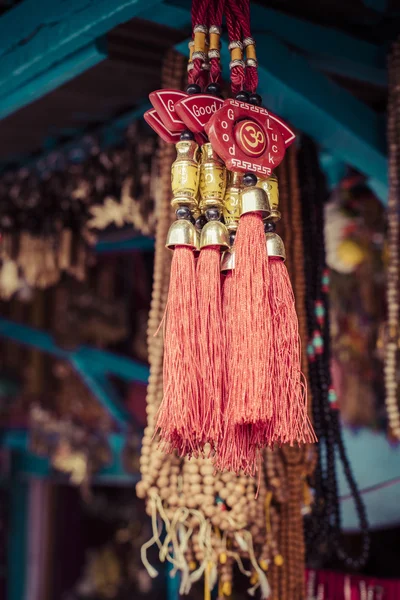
(329, 49)
(36, 36)
(51, 79)
(311, 102)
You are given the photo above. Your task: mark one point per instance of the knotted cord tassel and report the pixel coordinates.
(290, 422)
(178, 418)
(236, 452)
(214, 238)
(211, 342)
(248, 326)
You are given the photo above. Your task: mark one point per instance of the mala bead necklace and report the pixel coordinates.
(324, 523)
(391, 367)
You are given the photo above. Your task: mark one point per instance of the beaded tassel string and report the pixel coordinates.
(391, 368)
(324, 524)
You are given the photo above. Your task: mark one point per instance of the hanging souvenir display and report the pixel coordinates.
(52, 213)
(213, 520)
(323, 531)
(232, 372)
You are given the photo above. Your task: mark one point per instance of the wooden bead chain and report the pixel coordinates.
(393, 229)
(295, 459)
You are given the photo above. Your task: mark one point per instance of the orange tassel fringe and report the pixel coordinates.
(290, 423)
(211, 341)
(179, 419)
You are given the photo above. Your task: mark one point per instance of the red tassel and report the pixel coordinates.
(290, 422)
(248, 327)
(179, 417)
(240, 446)
(211, 343)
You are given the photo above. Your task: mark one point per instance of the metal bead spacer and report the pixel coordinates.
(235, 44)
(199, 55)
(236, 63)
(249, 41)
(200, 29)
(215, 29)
(214, 54)
(251, 62)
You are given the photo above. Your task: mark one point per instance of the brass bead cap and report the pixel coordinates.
(254, 200)
(275, 246)
(228, 261)
(182, 233)
(214, 233)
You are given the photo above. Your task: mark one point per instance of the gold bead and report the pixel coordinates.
(185, 175)
(228, 261)
(275, 246)
(214, 233)
(182, 233)
(212, 179)
(254, 200)
(231, 210)
(270, 186)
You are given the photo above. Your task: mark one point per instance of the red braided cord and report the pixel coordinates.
(241, 10)
(216, 12)
(200, 10)
(233, 24)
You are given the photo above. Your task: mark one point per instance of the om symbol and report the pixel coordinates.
(250, 137)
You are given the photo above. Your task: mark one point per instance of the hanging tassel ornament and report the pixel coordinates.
(179, 418)
(232, 361)
(290, 422)
(248, 333)
(211, 340)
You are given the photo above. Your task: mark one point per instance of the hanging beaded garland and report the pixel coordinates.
(324, 523)
(391, 368)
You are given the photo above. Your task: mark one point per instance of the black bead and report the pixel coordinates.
(232, 237)
(214, 89)
(193, 88)
(212, 214)
(255, 99)
(186, 135)
(269, 226)
(249, 179)
(183, 212)
(200, 222)
(242, 96)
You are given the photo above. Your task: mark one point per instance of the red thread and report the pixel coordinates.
(178, 416)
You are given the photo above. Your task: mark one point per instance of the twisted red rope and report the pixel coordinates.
(216, 11)
(234, 19)
(241, 12)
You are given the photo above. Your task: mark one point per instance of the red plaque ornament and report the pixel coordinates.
(152, 118)
(248, 138)
(196, 110)
(164, 102)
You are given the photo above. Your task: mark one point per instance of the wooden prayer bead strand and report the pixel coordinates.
(393, 273)
(150, 461)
